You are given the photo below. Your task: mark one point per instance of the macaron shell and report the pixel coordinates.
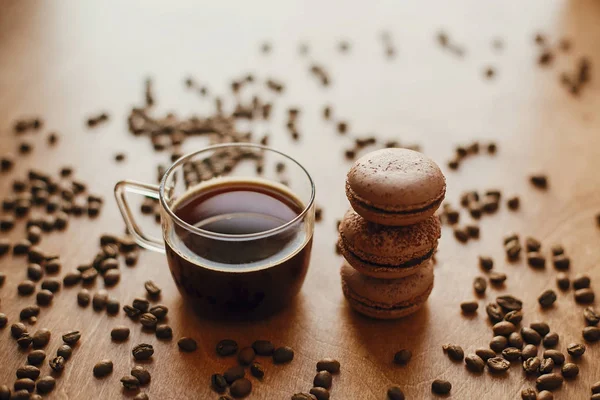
(386, 245)
(377, 313)
(387, 294)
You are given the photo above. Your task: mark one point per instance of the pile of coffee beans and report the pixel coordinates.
(322, 381)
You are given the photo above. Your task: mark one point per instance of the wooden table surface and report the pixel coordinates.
(67, 60)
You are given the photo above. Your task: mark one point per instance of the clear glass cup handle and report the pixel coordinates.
(144, 189)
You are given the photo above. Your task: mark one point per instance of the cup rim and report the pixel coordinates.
(245, 236)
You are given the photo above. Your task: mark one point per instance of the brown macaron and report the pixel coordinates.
(386, 298)
(395, 187)
(387, 252)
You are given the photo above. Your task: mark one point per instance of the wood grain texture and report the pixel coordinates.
(67, 60)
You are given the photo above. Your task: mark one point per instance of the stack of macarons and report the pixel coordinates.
(391, 233)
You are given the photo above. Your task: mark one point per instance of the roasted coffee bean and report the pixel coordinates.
(4, 392)
(34, 233)
(555, 355)
(2, 279)
(65, 351)
(549, 381)
(576, 350)
(479, 285)
(569, 370)
(401, 357)
(28, 371)
(513, 250)
(71, 337)
(53, 285)
(164, 331)
(44, 297)
(18, 329)
(148, 320)
(152, 289)
(561, 262)
(461, 234)
(227, 347)
(141, 304)
(72, 278)
(89, 275)
(234, 373)
(323, 379)
(486, 263)
(494, 312)
(323, 394)
(528, 394)
(218, 383)
(142, 375)
(591, 316)
(455, 352)
(441, 386)
(103, 368)
(393, 393)
(498, 343)
(99, 300)
(547, 298)
(498, 364)
(591, 333)
(159, 311)
(130, 382)
(21, 395)
(532, 244)
(283, 354)
(584, 296)
(596, 388)
(485, 354)
(514, 317)
(25, 340)
(30, 311)
(57, 364)
(112, 305)
(539, 181)
(46, 384)
(52, 266)
(240, 388)
(581, 282)
(131, 312)
(36, 357)
(503, 328)
(546, 365)
(257, 370)
(131, 258)
(497, 278)
(36, 255)
(3, 320)
(21, 247)
(35, 272)
(246, 356)
(540, 327)
(511, 353)
(562, 281)
(557, 250)
(474, 363)
(41, 338)
(469, 307)
(515, 340)
(536, 260)
(26, 288)
(5, 246)
(112, 277)
(119, 333)
(83, 297)
(509, 303)
(24, 384)
(529, 351)
(531, 365)
(550, 340)
(545, 395)
(187, 344)
(143, 351)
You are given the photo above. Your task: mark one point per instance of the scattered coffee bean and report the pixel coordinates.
(513, 250)
(46, 384)
(455, 352)
(486, 263)
(546, 365)
(486, 354)
(515, 317)
(296, 396)
(497, 278)
(323, 379)
(509, 303)
(246, 356)
(152, 289)
(479, 285)
(36, 357)
(591, 333)
(4, 392)
(44, 297)
(130, 382)
(545, 395)
(21, 395)
(234, 373)
(18, 329)
(141, 304)
(528, 394)
(531, 365)
(53, 285)
(26, 288)
(591, 316)
(218, 383)
(441, 386)
(112, 277)
(596, 388)
(261, 347)
(99, 300)
(240, 388)
(511, 353)
(103, 368)
(24, 384)
(503, 328)
(143, 351)
(469, 307)
(529, 351)
(21, 247)
(498, 364)
(257, 370)
(25, 340)
(515, 340)
(283, 354)
(555, 355)
(119, 333)
(41, 338)
(72, 337)
(227, 347)
(494, 312)
(72, 278)
(57, 364)
(581, 282)
(547, 298)
(569, 370)
(28, 371)
(474, 363)
(550, 340)
(148, 320)
(576, 350)
(164, 331)
(187, 344)
(323, 394)
(550, 381)
(65, 351)
(540, 327)
(539, 181)
(461, 234)
(584, 296)
(532, 244)
(562, 281)
(536, 260)
(142, 375)
(131, 312)
(28, 312)
(401, 357)
(498, 343)
(561, 262)
(159, 311)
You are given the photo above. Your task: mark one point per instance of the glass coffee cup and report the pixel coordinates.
(237, 224)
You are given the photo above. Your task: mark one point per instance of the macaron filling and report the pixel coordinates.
(391, 307)
(435, 204)
(408, 264)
